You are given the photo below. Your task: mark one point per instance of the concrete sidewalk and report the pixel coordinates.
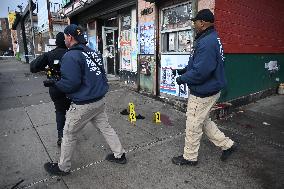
(28, 140)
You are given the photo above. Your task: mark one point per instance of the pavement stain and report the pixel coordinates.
(166, 120)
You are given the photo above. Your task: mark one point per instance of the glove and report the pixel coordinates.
(48, 82)
(181, 71)
(179, 81)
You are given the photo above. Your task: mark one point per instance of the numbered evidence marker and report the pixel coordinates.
(157, 117)
(132, 116)
(131, 107)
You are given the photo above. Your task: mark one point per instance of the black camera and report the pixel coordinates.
(53, 74)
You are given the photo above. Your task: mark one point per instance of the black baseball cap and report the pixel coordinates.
(60, 40)
(205, 15)
(76, 32)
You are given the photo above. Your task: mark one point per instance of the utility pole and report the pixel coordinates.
(50, 25)
(32, 26)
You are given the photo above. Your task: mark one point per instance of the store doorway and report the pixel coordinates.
(110, 49)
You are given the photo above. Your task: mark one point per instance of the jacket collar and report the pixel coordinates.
(205, 32)
(77, 46)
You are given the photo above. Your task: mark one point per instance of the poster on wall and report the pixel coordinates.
(125, 47)
(146, 64)
(92, 42)
(134, 60)
(147, 38)
(126, 22)
(92, 36)
(185, 41)
(126, 58)
(177, 17)
(172, 41)
(169, 66)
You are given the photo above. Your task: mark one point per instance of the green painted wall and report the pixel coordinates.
(246, 74)
(147, 82)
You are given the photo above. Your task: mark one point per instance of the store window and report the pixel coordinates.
(176, 46)
(176, 29)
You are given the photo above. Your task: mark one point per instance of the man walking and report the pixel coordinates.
(205, 77)
(84, 81)
(52, 60)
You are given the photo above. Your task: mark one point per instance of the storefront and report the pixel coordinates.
(141, 42)
(144, 42)
(165, 38)
(111, 29)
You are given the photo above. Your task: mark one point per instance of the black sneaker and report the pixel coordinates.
(226, 153)
(179, 160)
(124, 112)
(53, 169)
(121, 160)
(59, 141)
(140, 117)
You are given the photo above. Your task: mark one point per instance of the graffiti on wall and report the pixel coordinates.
(147, 38)
(169, 66)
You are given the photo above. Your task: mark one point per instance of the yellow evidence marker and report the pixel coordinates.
(132, 116)
(131, 107)
(157, 117)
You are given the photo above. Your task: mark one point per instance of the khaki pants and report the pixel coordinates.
(76, 119)
(197, 122)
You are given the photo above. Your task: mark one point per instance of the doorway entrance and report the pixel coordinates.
(110, 49)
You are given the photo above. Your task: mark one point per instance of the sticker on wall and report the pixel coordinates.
(271, 66)
(147, 38)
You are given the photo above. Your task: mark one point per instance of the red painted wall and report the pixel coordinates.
(250, 26)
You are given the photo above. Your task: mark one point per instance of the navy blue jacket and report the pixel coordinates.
(81, 79)
(205, 74)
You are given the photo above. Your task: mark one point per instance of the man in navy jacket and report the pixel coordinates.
(205, 78)
(84, 81)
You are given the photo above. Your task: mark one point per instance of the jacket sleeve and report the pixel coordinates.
(70, 70)
(204, 63)
(39, 63)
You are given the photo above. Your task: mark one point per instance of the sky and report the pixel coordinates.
(12, 4)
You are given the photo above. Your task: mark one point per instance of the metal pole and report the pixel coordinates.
(50, 25)
(32, 26)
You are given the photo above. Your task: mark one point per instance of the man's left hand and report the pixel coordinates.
(179, 81)
(49, 83)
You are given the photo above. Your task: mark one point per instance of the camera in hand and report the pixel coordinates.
(53, 75)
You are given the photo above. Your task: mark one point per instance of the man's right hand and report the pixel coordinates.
(181, 71)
